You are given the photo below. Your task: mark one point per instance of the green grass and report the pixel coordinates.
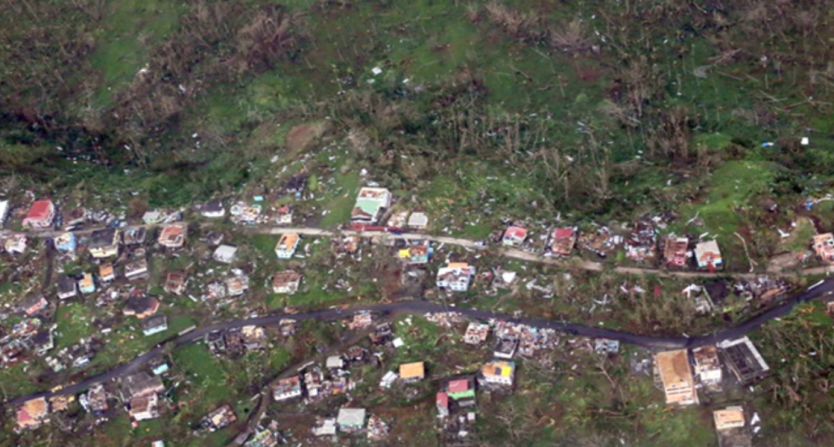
(74, 323)
(801, 236)
(207, 375)
(731, 187)
(17, 380)
(340, 204)
(731, 190)
(132, 28)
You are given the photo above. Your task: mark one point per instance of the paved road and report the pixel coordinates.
(823, 291)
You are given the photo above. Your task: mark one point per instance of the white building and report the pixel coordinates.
(708, 256)
(213, 210)
(456, 276)
(225, 254)
(4, 211)
(287, 245)
(286, 389)
(707, 365)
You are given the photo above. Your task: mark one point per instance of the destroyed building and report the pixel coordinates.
(676, 251)
(286, 282)
(104, 243)
(744, 360)
(172, 235)
(562, 241)
(175, 282)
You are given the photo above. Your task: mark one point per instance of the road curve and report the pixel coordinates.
(824, 291)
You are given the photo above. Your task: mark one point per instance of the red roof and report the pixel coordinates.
(23, 417)
(40, 210)
(563, 233)
(458, 386)
(442, 400)
(516, 233)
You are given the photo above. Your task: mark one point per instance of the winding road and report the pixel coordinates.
(821, 291)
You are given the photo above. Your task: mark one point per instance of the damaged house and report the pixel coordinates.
(104, 243)
(237, 285)
(417, 253)
(286, 282)
(497, 372)
(562, 241)
(286, 389)
(136, 269)
(641, 244)
(676, 251)
(220, 418)
(32, 414)
(456, 276)
(824, 247)
(141, 306)
(707, 365)
(744, 360)
(172, 235)
(175, 282)
(134, 235)
(141, 391)
(476, 333)
(65, 243)
(67, 287)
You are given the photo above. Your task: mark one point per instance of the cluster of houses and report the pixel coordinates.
(641, 245)
(682, 373)
(119, 252)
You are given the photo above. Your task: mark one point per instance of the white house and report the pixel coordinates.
(456, 276)
(708, 256)
(155, 325)
(4, 211)
(286, 389)
(285, 249)
(225, 254)
(707, 365)
(213, 210)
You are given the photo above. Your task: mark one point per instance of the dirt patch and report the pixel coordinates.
(303, 136)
